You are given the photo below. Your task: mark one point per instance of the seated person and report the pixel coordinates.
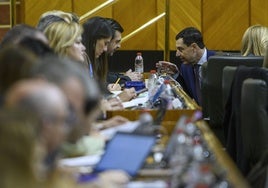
(115, 44)
(96, 42)
(84, 97)
(254, 41)
(193, 53)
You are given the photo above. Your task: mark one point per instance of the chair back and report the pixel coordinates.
(211, 84)
(254, 121)
(245, 116)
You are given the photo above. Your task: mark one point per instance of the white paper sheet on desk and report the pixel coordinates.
(89, 160)
(116, 92)
(141, 99)
(126, 127)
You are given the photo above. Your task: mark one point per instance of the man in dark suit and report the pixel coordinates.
(192, 54)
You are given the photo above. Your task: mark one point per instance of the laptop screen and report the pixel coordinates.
(126, 151)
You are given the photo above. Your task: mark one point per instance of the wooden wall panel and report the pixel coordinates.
(81, 7)
(259, 12)
(34, 8)
(181, 16)
(224, 22)
(133, 14)
(5, 15)
(160, 26)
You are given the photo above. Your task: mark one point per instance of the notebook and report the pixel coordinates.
(126, 151)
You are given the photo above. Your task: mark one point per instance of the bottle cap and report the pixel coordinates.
(138, 53)
(166, 81)
(152, 71)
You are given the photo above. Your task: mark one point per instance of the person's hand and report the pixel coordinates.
(134, 76)
(167, 67)
(114, 121)
(127, 94)
(113, 179)
(114, 87)
(111, 104)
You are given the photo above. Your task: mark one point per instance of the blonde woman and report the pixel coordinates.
(54, 16)
(65, 38)
(254, 41)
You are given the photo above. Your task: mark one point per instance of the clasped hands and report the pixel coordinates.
(167, 67)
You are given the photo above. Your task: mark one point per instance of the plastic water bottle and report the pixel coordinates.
(160, 89)
(152, 80)
(168, 94)
(139, 63)
(179, 152)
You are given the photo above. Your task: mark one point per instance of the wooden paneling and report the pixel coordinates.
(224, 22)
(133, 14)
(33, 8)
(81, 7)
(5, 16)
(182, 14)
(160, 25)
(259, 12)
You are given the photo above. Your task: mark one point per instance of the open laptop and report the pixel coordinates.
(126, 151)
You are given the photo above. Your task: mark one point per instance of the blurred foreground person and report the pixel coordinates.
(21, 31)
(84, 98)
(16, 63)
(48, 103)
(17, 146)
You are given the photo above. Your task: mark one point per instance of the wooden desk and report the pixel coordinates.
(225, 162)
(169, 121)
(220, 160)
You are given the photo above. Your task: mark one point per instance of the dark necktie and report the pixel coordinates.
(197, 83)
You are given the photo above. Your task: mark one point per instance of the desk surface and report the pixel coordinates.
(224, 162)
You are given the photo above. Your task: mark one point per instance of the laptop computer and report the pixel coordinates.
(127, 152)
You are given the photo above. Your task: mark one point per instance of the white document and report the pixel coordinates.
(89, 160)
(126, 127)
(141, 99)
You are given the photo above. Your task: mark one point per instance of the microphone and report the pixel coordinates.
(145, 124)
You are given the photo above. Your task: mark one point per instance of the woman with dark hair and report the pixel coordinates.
(96, 37)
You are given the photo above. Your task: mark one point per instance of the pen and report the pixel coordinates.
(117, 81)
